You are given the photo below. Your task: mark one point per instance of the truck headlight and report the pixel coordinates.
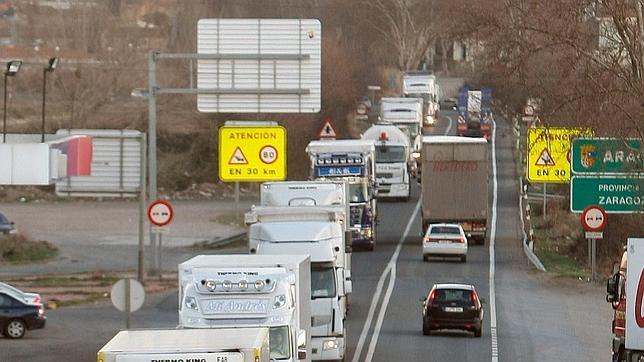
(191, 303)
(330, 344)
(280, 301)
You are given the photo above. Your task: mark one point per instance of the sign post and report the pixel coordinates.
(593, 219)
(160, 214)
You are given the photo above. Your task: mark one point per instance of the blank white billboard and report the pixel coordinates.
(117, 158)
(259, 65)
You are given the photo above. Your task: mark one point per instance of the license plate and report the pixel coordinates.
(453, 309)
(444, 241)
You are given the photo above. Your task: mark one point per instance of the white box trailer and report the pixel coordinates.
(250, 291)
(404, 112)
(203, 345)
(455, 183)
(635, 300)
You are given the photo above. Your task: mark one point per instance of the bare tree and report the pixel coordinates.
(406, 26)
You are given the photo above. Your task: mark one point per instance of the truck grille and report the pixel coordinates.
(356, 215)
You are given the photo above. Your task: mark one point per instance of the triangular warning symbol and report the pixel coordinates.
(545, 159)
(327, 130)
(238, 158)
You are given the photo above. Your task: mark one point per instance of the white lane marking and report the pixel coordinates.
(495, 186)
(449, 126)
(390, 289)
(372, 310)
(378, 293)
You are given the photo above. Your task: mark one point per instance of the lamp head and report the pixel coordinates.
(13, 67)
(51, 65)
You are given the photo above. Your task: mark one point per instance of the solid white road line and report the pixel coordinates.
(390, 269)
(449, 126)
(378, 293)
(392, 283)
(495, 187)
(372, 310)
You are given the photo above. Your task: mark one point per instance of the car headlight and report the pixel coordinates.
(330, 344)
(280, 301)
(191, 303)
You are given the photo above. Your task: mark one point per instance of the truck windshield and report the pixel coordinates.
(390, 154)
(322, 282)
(357, 192)
(279, 342)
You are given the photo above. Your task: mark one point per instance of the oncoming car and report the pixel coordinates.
(445, 240)
(453, 306)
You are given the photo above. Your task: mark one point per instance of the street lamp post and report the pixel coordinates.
(12, 69)
(53, 62)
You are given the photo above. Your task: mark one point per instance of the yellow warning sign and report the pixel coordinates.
(549, 153)
(256, 153)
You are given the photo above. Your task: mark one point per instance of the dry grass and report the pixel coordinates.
(19, 248)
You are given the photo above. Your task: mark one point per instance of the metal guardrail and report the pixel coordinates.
(528, 244)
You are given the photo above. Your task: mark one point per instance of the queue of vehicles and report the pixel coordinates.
(288, 298)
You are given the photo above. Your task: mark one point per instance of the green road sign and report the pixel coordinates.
(607, 156)
(615, 194)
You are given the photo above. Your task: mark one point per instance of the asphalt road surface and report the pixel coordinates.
(538, 317)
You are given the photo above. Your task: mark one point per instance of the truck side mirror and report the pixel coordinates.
(301, 344)
(348, 286)
(612, 288)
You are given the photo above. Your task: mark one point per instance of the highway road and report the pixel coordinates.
(538, 317)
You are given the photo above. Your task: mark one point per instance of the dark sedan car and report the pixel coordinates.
(17, 316)
(453, 306)
(6, 226)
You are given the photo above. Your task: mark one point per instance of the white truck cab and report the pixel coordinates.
(351, 160)
(320, 232)
(393, 160)
(419, 84)
(250, 291)
(404, 112)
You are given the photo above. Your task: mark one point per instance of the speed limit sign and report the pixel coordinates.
(268, 154)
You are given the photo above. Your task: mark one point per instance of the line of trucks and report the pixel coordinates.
(288, 298)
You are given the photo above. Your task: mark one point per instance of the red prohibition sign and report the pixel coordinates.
(160, 213)
(593, 218)
(268, 154)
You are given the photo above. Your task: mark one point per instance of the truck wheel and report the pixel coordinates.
(425, 258)
(463, 259)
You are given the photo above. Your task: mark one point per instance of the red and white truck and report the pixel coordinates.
(625, 292)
